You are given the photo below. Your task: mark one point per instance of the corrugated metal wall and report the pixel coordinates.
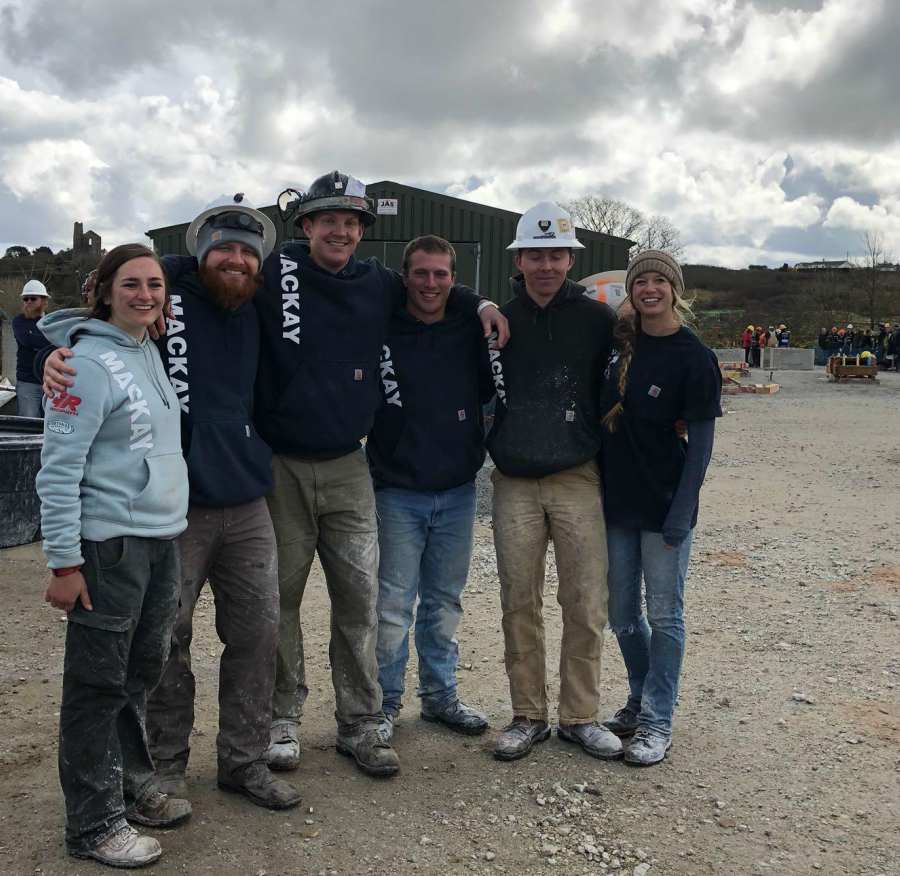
(480, 235)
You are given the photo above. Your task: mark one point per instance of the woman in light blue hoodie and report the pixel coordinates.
(114, 494)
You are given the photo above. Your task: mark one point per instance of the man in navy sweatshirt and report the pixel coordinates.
(323, 317)
(424, 451)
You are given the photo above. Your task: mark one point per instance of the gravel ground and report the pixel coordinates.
(786, 756)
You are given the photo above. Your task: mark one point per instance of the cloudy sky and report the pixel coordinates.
(766, 131)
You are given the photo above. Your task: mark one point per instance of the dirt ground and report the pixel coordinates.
(786, 754)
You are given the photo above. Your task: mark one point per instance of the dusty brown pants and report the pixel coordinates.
(528, 512)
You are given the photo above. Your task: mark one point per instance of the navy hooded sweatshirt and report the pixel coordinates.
(318, 386)
(429, 431)
(210, 355)
(549, 381)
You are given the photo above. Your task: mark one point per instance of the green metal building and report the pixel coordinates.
(479, 234)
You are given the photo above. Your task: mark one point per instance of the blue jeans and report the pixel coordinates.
(425, 540)
(28, 399)
(652, 645)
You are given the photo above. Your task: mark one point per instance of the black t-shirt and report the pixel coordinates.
(670, 378)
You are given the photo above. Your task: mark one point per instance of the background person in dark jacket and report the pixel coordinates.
(544, 442)
(210, 353)
(323, 319)
(29, 342)
(425, 450)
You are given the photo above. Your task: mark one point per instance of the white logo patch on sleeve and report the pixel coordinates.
(61, 427)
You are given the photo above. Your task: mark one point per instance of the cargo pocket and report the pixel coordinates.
(97, 649)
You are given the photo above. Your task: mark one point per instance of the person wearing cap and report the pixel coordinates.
(210, 353)
(659, 375)
(324, 316)
(784, 336)
(544, 443)
(29, 343)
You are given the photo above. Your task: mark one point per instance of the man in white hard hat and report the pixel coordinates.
(29, 342)
(210, 351)
(544, 443)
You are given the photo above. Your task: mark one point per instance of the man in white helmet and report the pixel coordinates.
(29, 343)
(544, 443)
(211, 351)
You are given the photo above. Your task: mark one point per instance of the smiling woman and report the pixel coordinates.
(113, 490)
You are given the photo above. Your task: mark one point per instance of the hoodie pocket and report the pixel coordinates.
(163, 500)
(228, 463)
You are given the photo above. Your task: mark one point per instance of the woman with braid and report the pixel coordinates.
(660, 373)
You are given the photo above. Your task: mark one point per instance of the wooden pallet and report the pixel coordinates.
(841, 371)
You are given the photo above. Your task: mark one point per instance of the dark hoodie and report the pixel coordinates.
(549, 379)
(429, 432)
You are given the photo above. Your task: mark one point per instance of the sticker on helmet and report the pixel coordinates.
(355, 188)
(563, 225)
(544, 224)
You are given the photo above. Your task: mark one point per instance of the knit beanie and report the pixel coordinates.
(655, 260)
(238, 228)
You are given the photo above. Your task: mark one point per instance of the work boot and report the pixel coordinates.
(124, 848)
(283, 752)
(623, 723)
(457, 716)
(594, 738)
(372, 753)
(169, 779)
(647, 747)
(256, 782)
(519, 737)
(157, 809)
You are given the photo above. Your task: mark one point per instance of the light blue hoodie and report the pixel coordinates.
(111, 463)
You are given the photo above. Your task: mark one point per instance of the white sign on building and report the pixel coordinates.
(388, 206)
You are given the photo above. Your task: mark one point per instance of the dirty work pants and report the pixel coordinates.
(114, 655)
(328, 506)
(567, 508)
(425, 544)
(652, 645)
(235, 549)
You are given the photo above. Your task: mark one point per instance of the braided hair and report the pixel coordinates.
(625, 336)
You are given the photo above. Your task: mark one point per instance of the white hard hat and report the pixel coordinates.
(546, 225)
(35, 288)
(232, 204)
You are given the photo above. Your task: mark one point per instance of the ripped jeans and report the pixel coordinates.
(652, 645)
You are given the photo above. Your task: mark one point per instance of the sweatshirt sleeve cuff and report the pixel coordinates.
(64, 561)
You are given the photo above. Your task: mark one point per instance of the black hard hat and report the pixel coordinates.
(333, 191)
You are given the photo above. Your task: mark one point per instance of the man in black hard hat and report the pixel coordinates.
(323, 318)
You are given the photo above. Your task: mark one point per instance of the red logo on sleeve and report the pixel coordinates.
(64, 403)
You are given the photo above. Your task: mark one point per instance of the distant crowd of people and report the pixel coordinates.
(882, 342)
(755, 338)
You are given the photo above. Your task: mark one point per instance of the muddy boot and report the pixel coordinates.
(170, 779)
(124, 848)
(256, 782)
(283, 752)
(159, 810)
(372, 753)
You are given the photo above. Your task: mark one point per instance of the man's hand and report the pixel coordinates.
(63, 592)
(493, 321)
(158, 329)
(56, 372)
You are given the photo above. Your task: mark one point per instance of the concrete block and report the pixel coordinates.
(774, 358)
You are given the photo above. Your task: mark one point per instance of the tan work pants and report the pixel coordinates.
(528, 512)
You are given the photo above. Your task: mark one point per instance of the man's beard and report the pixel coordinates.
(225, 292)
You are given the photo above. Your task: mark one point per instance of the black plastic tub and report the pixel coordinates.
(21, 440)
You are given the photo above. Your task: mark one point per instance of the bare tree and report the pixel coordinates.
(875, 264)
(607, 215)
(659, 233)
